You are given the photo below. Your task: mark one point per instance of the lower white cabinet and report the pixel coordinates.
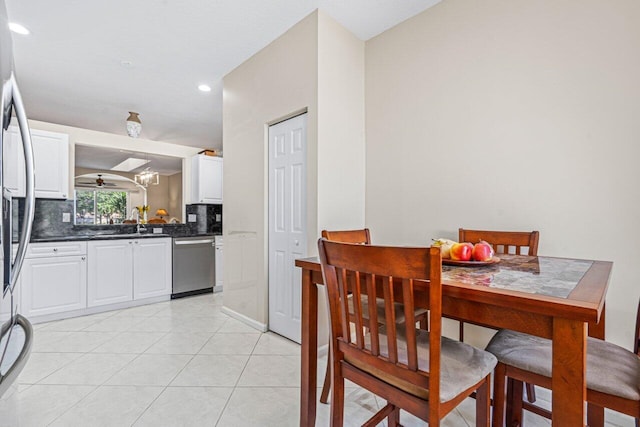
(151, 267)
(125, 270)
(109, 272)
(54, 283)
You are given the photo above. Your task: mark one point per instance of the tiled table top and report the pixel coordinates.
(555, 277)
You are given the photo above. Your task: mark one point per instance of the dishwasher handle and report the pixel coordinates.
(193, 242)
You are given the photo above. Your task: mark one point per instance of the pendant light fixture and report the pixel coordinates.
(147, 177)
(134, 126)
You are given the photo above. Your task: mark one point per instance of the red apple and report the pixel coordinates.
(461, 251)
(482, 251)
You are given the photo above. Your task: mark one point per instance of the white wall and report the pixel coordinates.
(319, 66)
(341, 148)
(512, 115)
(277, 81)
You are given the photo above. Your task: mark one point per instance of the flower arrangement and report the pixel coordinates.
(142, 213)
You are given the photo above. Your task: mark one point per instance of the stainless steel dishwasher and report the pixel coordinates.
(193, 266)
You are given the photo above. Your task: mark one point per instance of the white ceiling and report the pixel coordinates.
(87, 63)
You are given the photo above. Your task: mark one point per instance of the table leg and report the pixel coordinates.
(309, 350)
(595, 414)
(569, 372)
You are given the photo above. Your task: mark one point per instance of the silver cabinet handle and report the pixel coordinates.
(130, 243)
(192, 242)
(83, 258)
(297, 243)
(55, 249)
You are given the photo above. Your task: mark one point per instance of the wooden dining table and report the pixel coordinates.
(556, 298)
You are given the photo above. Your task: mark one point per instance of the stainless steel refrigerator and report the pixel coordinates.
(16, 334)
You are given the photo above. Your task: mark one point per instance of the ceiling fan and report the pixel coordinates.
(99, 182)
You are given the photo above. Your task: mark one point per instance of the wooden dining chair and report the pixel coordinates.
(504, 242)
(362, 237)
(613, 375)
(418, 371)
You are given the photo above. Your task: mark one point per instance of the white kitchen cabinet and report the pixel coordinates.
(130, 269)
(152, 267)
(13, 162)
(54, 278)
(219, 246)
(51, 162)
(109, 272)
(5, 299)
(206, 179)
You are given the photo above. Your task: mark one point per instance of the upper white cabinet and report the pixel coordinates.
(13, 162)
(206, 179)
(51, 162)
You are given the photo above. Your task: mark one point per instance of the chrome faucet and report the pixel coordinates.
(139, 227)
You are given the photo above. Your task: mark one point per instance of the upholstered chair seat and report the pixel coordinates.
(611, 369)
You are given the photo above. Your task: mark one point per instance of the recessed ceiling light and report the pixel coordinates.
(18, 29)
(204, 88)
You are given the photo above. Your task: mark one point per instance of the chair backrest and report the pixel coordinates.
(504, 242)
(348, 236)
(390, 273)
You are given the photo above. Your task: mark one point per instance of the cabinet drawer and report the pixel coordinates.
(40, 250)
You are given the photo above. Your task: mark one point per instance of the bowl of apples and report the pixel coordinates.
(466, 254)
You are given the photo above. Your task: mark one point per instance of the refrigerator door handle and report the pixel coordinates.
(11, 276)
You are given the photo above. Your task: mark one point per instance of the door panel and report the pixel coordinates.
(287, 223)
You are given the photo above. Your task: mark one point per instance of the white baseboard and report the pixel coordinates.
(262, 327)
(95, 310)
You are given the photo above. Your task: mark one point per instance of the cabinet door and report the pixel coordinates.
(152, 267)
(109, 272)
(51, 158)
(13, 162)
(207, 179)
(51, 161)
(219, 264)
(53, 285)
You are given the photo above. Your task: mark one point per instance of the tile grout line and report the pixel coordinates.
(235, 387)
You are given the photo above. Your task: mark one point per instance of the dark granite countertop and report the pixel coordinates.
(97, 237)
(100, 236)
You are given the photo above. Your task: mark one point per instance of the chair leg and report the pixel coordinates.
(461, 331)
(424, 324)
(595, 416)
(514, 402)
(531, 392)
(393, 420)
(483, 404)
(499, 395)
(326, 386)
(337, 398)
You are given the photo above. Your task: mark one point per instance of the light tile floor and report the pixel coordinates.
(176, 363)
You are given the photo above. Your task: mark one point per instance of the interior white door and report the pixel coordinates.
(287, 223)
